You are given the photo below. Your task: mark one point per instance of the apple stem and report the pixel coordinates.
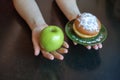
(53, 30)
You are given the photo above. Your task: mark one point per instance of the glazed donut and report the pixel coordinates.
(86, 25)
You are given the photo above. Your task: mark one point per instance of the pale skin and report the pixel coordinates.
(30, 12)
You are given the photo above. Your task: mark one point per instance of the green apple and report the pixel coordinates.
(51, 38)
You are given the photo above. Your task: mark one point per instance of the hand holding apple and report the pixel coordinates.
(49, 55)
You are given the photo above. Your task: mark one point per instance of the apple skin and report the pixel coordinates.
(51, 38)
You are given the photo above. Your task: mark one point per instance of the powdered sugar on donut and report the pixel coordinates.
(89, 22)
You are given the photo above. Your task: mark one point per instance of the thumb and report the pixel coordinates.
(36, 46)
(74, 43)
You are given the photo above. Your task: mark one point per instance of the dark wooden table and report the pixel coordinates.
(17, 61)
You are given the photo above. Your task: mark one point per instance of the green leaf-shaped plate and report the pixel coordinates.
(85, 41)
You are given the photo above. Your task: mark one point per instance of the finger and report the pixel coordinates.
(57, 55)
(100, 45)
(88, 47)
(95, 47)
(62, 50)
(47, 55)
(74, 43)
(36, 46)
(36, 51)
(65, 44)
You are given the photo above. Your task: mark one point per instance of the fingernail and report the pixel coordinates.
(51, 58)
(61, 58)
(100, 46)
(96, 48)
(88, 47)
(36, 53)
(67, 46)
(75, 43)
(66, 51)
